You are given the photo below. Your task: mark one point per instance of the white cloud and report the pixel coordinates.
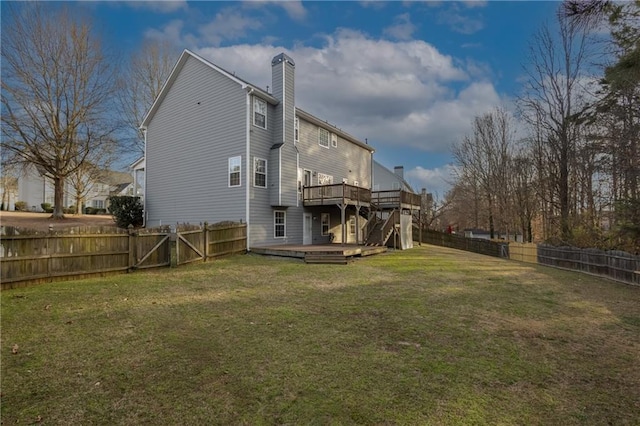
(228, 24)
(159, 6)
(436, 181)
(402, 28)
(373, 4)
(294, 8)
(459, 21)
(399, 94)
(475, 3)
(171, 32)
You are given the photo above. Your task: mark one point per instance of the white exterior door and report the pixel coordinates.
(306, 229)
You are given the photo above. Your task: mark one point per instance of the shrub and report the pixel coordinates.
(126, 210)
(69, 210)
(46, 206)
(20, 206)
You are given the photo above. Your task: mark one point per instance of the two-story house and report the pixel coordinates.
(221, 149)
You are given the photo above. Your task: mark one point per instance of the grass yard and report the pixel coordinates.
(425, 336)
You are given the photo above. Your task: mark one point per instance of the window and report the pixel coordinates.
(324, 179)
(323, 137)
(395, 185)
(296, 129)
(352, 225)
(279, 225)
(235, 165)
(334, 140)
(325, 220)
(98, 204)
(259, 113)
(260, 172)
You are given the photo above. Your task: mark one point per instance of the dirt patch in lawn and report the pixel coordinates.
(42, 221)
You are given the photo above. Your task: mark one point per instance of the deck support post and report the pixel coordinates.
(358, 224)
(343, 207)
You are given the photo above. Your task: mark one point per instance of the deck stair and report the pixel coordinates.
(382, 230)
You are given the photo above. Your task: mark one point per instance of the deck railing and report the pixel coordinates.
(342, 192)
(396, 198)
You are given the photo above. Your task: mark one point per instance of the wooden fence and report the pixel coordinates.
(524, 252)
(614, 264)
(476, 245)
(43, 257)
(617, 265)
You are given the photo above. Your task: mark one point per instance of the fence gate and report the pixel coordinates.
(155, 247)
(190, 246)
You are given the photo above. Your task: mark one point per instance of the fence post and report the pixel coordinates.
(132, 248)
(206, 241)
(173, 247)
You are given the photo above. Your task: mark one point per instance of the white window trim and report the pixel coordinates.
(322, 216)
(321, 131)
(231, 160)
(296, 130)
(263, 102)
(334, 140)
(284, 224)
(255, 162)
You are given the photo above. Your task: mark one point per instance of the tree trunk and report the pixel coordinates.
(565, 230)
(58, 199)
(78, 204)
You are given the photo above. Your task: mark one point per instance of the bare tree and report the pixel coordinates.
(483, 160)
(552, 104)
(56, 87)
(523, 193)
(147, 71)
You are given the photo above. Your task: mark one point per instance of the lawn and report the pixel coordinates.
(424, 336)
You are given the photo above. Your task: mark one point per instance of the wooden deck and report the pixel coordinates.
(326, 253)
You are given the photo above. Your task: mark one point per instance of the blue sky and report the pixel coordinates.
(407, 76)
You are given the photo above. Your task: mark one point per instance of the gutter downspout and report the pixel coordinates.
(144, 193)
(248, 171)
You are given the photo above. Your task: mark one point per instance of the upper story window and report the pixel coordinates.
(323, 137)
(260, 172)
(296, 130)
(235, 166)
(324, 179)
(259, 113)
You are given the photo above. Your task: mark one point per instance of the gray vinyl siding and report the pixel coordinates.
(347, 160)
(386, 180)
(200, 124)
(261, 212)
(284, 191)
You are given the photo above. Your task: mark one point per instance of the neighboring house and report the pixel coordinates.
(35, 188)
(221, 149)
(110, 183)
(387, 180)
(486, 235)
(137, 173)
